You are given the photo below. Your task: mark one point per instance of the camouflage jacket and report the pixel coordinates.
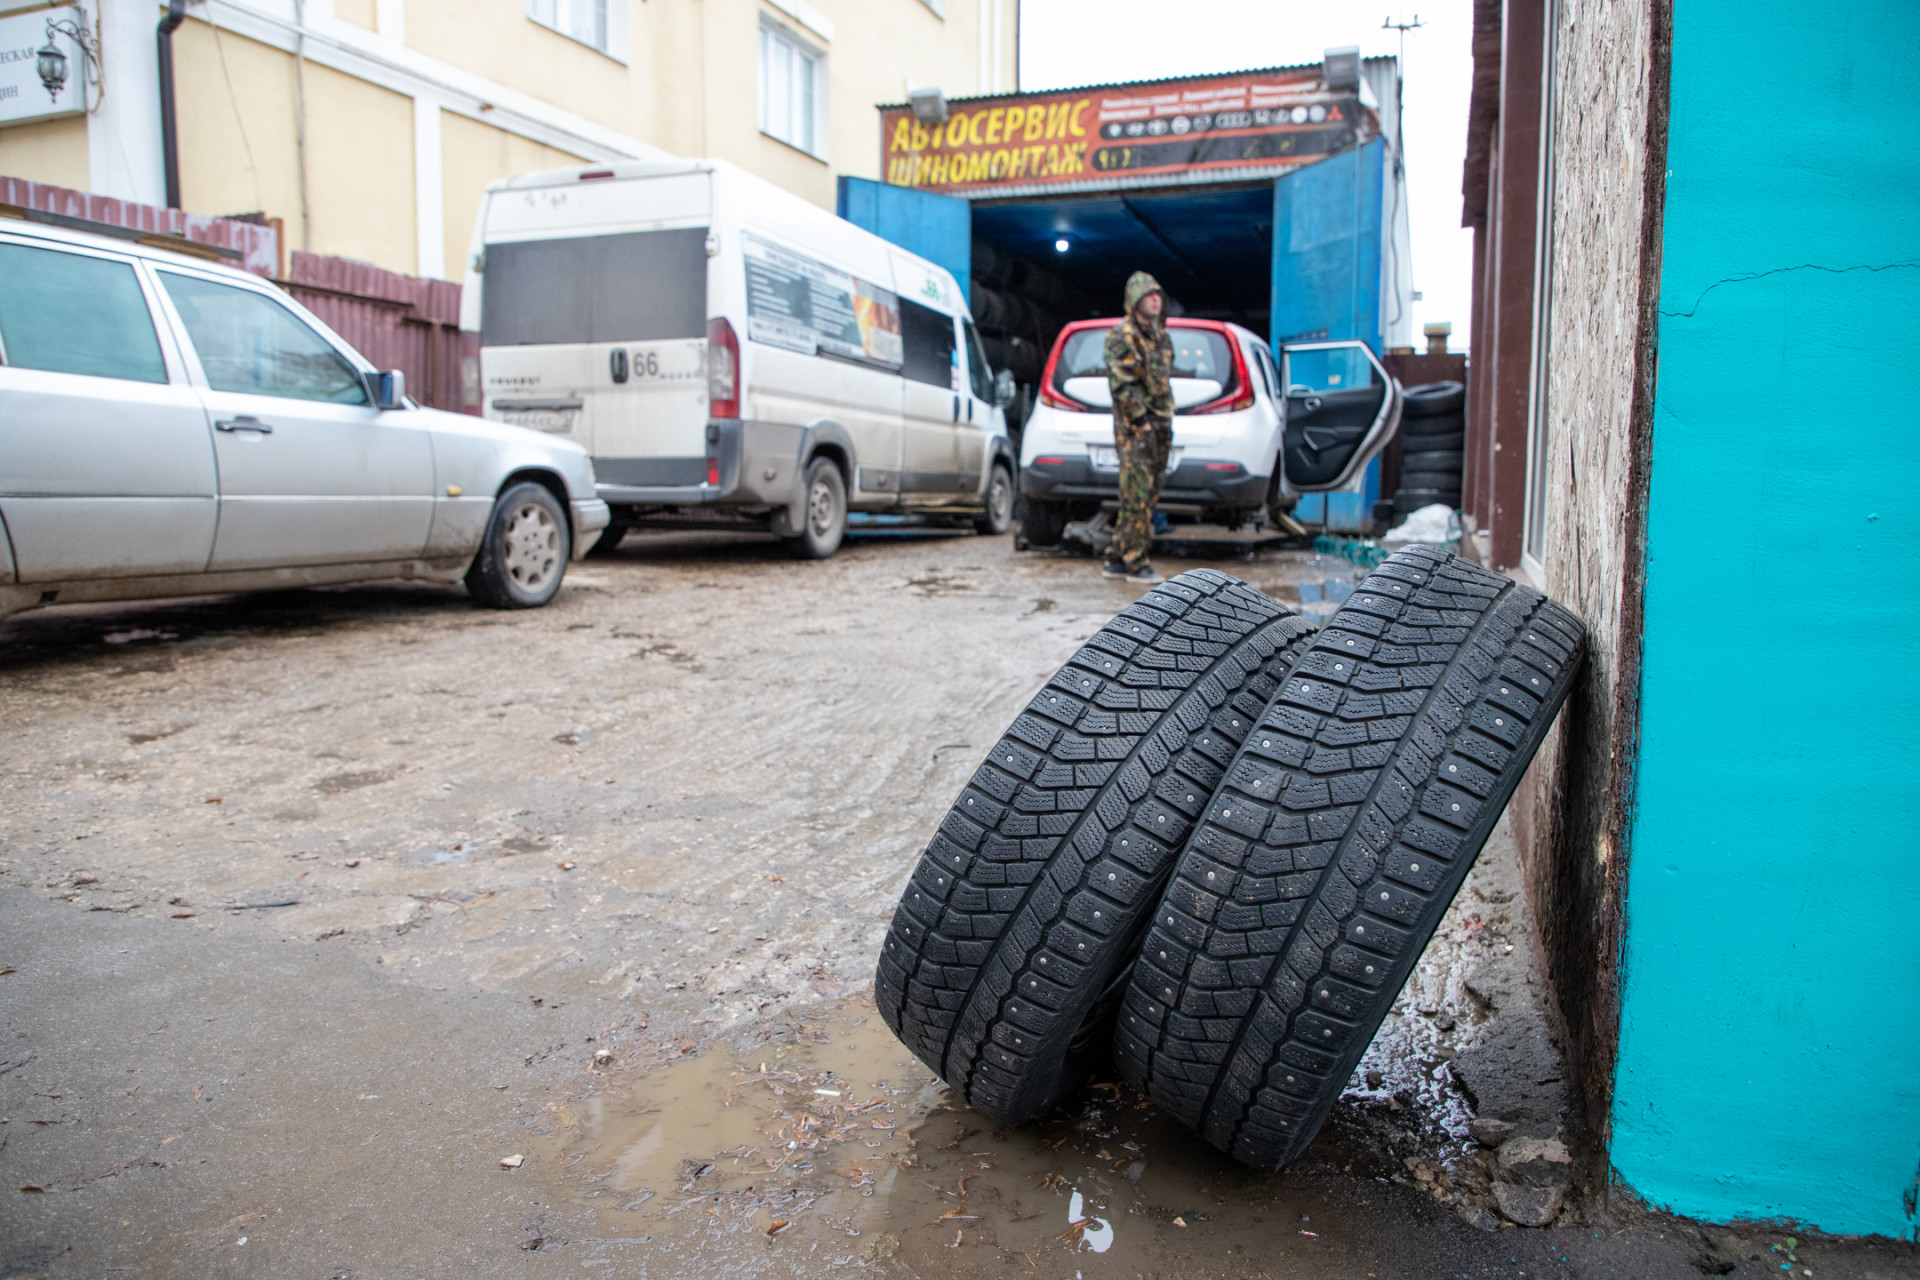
(1139, 357)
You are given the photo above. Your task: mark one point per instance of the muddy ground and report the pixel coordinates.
(315, 908)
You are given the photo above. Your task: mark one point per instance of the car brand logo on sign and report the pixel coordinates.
(1098, 136)
(23, 96)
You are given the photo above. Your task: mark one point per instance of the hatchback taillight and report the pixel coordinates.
(723, 370)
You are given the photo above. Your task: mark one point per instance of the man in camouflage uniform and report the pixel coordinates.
(1139, 358)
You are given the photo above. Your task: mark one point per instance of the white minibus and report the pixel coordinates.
(732, 356)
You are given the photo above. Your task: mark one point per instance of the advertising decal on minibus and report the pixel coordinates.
(801, 304)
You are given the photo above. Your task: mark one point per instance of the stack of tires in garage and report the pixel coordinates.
(1020, 308)
(1213, 846)
(1433, 433)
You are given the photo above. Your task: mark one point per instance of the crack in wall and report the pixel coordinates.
(1912, 264)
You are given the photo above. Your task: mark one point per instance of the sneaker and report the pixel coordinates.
(1114, 568)
(1145, 575)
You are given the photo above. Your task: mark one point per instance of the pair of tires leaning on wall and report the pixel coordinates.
(1213, 846)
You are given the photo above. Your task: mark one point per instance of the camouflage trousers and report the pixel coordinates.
(1143, 446)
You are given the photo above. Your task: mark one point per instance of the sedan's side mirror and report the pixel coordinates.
(388, 389)
(1003, 388)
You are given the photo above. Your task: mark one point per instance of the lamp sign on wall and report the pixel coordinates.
(42, 65)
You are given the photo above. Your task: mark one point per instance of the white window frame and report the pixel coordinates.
(780, 42)
(576, 20)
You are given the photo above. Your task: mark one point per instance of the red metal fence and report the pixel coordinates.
(396, 321)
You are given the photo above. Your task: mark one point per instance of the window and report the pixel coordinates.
(584, 20)
(635, 287)
(65, 313)
(977, 365)
(928, 337)
(792, 91)
(1197, 353)
(249, 343)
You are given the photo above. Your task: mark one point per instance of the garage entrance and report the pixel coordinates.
(1274, 199)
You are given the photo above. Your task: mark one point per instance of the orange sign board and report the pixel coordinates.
(1094, 137)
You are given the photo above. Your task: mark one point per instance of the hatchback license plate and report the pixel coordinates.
(1108, 459)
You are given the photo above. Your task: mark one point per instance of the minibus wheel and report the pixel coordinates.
(824, 519)
(998, 517)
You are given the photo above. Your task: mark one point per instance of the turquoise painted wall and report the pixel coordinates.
(1770, 1031)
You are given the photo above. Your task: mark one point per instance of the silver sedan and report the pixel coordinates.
(170, 426)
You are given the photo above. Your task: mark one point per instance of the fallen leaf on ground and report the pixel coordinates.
(512, 1162)
(1179, 1222)
(775, 1226)
(184, 915)
(564, 866)
(175, 1138)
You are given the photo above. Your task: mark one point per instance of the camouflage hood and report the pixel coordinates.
(1139, 285)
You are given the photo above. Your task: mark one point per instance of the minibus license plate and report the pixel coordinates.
(556, 420)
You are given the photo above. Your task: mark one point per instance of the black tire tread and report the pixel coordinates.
(1434, 399)
(1333, 845)
(1143, 717)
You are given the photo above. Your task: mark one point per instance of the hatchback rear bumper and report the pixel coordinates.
(1197, 481)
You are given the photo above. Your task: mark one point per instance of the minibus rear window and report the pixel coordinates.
(635, 287)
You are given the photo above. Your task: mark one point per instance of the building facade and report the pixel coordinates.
(370, 128)
(1674, 261)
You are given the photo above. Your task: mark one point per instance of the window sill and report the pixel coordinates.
(811, 155)
(610, 56)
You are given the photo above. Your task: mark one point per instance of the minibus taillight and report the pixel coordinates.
(723, 370)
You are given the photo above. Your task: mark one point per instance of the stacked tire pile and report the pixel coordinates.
(1433, 434)
(1020, 307)
(1213, 846)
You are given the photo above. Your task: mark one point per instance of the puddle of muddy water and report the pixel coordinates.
(815, 1140)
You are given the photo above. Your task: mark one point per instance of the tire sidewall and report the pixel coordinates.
(488, 578)
(810, 543)
(997, 518)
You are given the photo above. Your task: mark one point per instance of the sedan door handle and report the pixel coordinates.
(245, 422)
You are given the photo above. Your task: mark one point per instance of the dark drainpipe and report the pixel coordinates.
(169, 136)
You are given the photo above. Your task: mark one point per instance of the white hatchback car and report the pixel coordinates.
(170, 426)
(1245, 434)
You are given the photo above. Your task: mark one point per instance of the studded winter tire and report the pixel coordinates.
(1008, 952)
(1343, 828)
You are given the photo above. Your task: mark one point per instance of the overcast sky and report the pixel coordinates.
(1074, 42)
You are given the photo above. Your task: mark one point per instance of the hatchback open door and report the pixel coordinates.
(1342, 407)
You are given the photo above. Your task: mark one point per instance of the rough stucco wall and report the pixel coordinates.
(1607, 102)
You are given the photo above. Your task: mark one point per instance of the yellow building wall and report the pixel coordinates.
(52, 151)
(473, 154)
(238, 153)
(498, 41)
(361, 13)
